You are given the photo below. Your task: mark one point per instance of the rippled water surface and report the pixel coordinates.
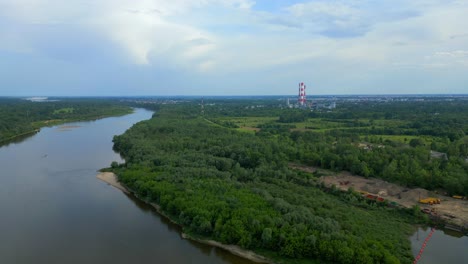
(55, 210)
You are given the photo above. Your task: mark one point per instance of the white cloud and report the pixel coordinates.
(225, 37)
(458, 58)
(323, 8)
(457, 54)
(145, 29)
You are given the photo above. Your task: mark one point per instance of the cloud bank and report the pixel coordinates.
(161, 47)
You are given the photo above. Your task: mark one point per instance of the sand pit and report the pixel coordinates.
(452, 210)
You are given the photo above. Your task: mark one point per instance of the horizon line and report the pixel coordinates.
(257, 95)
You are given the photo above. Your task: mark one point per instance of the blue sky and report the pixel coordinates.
(232, 47)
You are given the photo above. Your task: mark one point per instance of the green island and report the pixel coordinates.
(225, 172)
(21, 117)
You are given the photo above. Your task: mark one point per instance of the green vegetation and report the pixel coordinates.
(237, 188)
(68, 110)
(392, 141)
(19, 117)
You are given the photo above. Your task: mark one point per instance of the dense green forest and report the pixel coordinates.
(19, 116)
(220, 179)
(390, 140)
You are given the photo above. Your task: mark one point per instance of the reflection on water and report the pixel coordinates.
(17, 139)
(55, 210)
(67, 128)
(177, 230)
(452, 233)
(445, 246)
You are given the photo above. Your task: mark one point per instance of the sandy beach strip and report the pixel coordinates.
(111, 179)
(234, 249)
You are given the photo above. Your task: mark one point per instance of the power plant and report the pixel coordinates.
(319, 104)
(302, 95)
(301, 98)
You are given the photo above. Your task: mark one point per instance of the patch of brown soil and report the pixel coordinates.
(452, 210)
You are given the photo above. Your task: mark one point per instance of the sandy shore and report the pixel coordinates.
(111, 179)
(236, 250)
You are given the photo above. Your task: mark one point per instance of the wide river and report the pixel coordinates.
(55, 210)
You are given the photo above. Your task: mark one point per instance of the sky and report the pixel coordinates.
(232, 47)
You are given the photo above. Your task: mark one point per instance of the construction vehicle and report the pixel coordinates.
(428, 211)
(458, 197)
(430, 201)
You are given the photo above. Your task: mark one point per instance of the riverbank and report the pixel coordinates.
(452, 212)
(111, 179)
(56, 122)
(12, 138)
(37, 125)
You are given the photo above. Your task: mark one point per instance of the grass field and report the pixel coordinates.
(251, 125)
(316, 124)
(248, 122)
(63, 111)
(398, 138)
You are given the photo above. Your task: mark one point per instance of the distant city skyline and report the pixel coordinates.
(232, 47)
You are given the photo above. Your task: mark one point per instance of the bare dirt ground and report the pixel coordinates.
(454, 211)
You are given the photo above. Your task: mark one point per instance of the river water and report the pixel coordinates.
(444, 246)
(55, 210)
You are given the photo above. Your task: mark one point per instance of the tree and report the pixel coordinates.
(415, 142)
(266, 236)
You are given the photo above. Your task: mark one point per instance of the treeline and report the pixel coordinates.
(293, 115)
(237, 188)
(398, 163)
(440, 118)
(19, 116)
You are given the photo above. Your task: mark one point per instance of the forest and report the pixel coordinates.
(225, 174)
(19, 116)
(415, 144)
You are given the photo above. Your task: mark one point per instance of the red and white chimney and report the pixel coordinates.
(302, 94)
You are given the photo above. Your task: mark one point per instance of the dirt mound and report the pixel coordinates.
(414, 194)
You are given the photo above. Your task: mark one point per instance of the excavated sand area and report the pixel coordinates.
(454, 211)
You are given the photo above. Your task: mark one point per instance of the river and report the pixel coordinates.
(444, 246)
(55, 210)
